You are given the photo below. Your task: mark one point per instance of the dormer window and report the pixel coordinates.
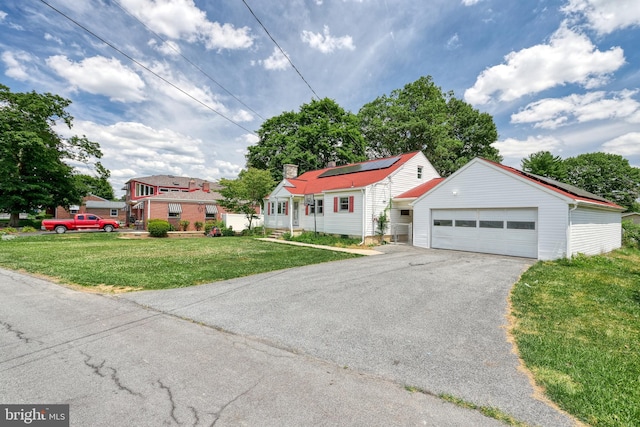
(419, 172)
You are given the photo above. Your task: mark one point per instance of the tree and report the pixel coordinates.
(420, 117)
(244, 194)
(319, 133)
(32, 155)
(98, 186)
(545, 164)
(606, 175)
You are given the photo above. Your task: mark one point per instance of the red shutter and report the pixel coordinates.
(351, 198)
(268, 208)
(286, 208)
(306, 210)
(335, 204)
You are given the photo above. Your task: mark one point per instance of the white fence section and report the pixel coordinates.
(240, 222)
(401, 233)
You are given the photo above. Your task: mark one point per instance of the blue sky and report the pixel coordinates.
(561, 76)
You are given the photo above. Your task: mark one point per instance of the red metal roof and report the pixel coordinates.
(311, 182)
(552, 185)
(420, 189)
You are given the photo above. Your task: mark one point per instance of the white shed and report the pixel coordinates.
(491, 208)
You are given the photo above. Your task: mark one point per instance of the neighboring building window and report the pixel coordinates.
(419, 172)
(114, 212)
(211, 211)
(164, 190)
(175, 209)
(74, 209)
(404, 212)
(144, 190)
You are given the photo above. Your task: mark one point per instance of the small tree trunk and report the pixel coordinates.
(14, 219)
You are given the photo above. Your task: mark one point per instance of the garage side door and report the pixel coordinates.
(498, 231)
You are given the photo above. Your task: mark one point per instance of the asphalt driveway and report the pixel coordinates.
(430, 319)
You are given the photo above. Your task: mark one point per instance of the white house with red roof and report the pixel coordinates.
(491, 208)
(347, 200)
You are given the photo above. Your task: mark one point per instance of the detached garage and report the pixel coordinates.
(491, 208)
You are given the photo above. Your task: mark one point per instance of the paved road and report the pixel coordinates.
(119, 364)
(425, 318)
(331, 344)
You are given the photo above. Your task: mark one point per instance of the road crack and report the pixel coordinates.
(173, 403)
(99, 369)
(19, 334)
(218, 414)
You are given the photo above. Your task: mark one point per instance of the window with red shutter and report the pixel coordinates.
(335, 204)
(351, 199)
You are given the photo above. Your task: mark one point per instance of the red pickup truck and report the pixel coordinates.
(80, 222)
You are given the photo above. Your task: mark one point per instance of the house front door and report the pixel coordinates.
(296, 221)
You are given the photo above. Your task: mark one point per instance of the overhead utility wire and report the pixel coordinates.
(147, 68)
(186, 59)
(281, 50)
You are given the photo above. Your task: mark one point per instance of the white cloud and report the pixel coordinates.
(606, 16)
(100, 76)
(625, 145)
(49, 37)
(326, 43)
(470, 2)
(168, 48)
(277, 61)
(514, 148)
(569, 57)
(182, 19)
(454, 42)
(15, 64)
(550, 113)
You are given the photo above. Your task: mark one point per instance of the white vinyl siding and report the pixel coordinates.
(594, 231)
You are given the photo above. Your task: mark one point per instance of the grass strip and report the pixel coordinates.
(92, 259)
(577, 328)
(487, 411)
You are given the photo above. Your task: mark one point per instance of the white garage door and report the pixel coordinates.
(495, 231)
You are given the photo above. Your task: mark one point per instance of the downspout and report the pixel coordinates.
(290, 215)
(575, 206)
(364, 215)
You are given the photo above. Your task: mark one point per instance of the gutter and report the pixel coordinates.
(364, 215)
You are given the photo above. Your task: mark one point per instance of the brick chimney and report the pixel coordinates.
(206, 187)
(192, 185)
(290, 171)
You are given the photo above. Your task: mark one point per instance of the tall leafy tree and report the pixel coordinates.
(544, 163)
(420, 117)
(32, 155)
(98, 186)
(607, 175)
(244, 194)
(320, 132)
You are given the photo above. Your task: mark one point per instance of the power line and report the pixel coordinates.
(147, 68)
(185, 58)
(281, 50)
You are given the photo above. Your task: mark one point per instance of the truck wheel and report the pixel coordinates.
(60, 229)
(108, 228)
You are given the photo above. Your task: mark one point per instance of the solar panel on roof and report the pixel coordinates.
(361, 167)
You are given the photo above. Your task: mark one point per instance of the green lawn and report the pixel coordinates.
(92, 259)
(578, 330)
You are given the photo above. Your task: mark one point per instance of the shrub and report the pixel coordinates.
(184, 224)
(228, 231)
(158, 227)
(630, 234)
(210, 224)
(198, 225)
(9, 230)
(28, 229)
